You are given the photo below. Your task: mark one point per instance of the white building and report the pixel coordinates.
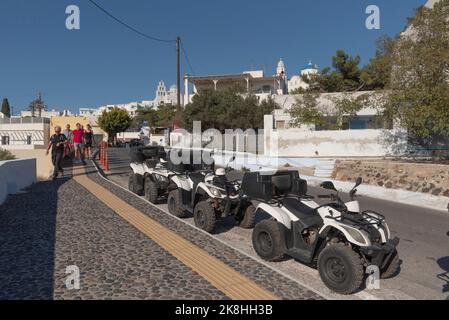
(24, 133)
(297, 82)
(162, 96)
(255, 82)
(46, 114)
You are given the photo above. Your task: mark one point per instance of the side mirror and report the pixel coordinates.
(358, 182)
(328, 185)
(232, 159)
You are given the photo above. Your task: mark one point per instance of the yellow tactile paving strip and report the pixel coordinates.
(233, 284)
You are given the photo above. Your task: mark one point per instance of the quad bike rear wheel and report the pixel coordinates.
(391, 270)
(204, 216)
(248, 218)
(340, 268)
(174, 203)
(269, 240)
(151, 192)
(133, 185)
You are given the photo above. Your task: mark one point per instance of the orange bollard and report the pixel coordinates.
(100, 154)
(106, 163)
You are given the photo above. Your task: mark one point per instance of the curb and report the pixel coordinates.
(405, 197)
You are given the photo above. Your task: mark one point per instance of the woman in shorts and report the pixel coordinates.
(88, 141)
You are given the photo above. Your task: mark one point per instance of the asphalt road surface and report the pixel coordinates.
(424, 246)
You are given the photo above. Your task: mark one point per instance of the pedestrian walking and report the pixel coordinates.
(78, 139)
(88, 141)
(57, 143)
(69, 145)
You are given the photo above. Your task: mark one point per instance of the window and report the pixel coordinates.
(5, 140)
(280, 124)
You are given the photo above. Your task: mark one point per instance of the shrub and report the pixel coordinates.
(6, 155)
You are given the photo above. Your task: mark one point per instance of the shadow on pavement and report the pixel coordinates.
(444, 264)
(27, 238)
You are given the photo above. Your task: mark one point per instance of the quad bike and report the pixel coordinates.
(150, 176)
(210, 196)
(336, 237)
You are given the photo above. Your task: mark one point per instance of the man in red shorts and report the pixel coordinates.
(78, 135)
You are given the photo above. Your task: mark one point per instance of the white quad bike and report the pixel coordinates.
(210, 196)
(150, 176)
(336, 237)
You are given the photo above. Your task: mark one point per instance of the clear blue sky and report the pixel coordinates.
(105, 63)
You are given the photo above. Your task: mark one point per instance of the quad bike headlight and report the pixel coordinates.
(356, 235)
(215, 192)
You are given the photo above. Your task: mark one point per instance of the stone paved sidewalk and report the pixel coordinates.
(41, 234)
(58, 224)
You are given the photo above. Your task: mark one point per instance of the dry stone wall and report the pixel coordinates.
(426, 178)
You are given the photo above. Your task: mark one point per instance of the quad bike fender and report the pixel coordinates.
(383, 229)
(137, 168)
(355, 236)
(182, 183)
(277, 213)
(206, 189)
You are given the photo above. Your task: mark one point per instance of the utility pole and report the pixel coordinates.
(40, 104)
(178, 57)
(177, 119)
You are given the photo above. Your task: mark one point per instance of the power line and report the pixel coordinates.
(187, 58)
(128, 26)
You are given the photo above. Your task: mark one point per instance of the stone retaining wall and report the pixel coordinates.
(426, 178)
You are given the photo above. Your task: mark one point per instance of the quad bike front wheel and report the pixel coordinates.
(174, 203)
(248, 218)
(340, 268)
(269, 240)
(392, 269)
(151, 192)
(204, 216)
(133, 185)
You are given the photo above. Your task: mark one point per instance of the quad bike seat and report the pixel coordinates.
(299, 209)
(197, 178)
(307, 216)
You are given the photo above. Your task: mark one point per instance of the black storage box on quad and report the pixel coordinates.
(190, 160)
(258, 185)
(140, 155)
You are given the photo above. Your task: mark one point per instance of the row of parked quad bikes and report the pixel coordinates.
(337, 238)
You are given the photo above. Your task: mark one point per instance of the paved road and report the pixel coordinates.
(424, 246)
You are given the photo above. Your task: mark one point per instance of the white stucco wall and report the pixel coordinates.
(16, 175)
(344, 143)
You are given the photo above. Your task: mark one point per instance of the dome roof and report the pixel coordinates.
(310, 65)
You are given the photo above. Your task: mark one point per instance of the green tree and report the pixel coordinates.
(305, 110)
(343, 76)
(5, 108)
(115, 121)
(346, 107)
(162, 116)
(227, 109)
(147, 114)
(418, 95)
(6, 155)
(165, 115)
(377, 73)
